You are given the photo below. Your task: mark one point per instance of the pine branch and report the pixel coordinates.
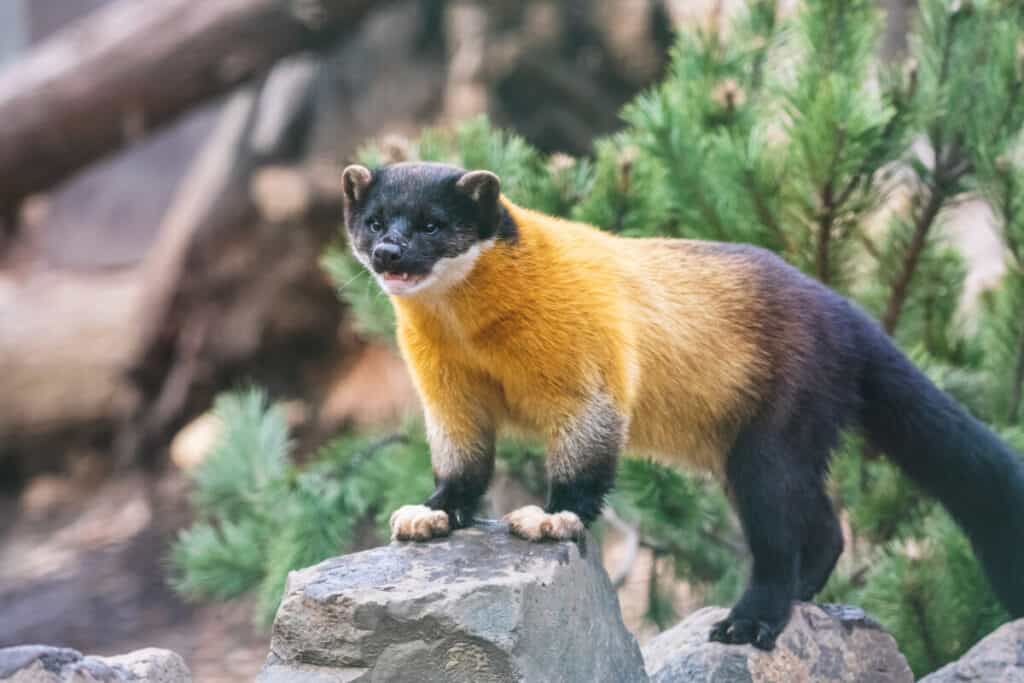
(738, 549)
(824, 235)
(950, 167)
(911, 258)
(711, 216)
(1011, 104)
(1008, 210)
(858, 577)
(757, 69)
(869, 245)
(765, 214)
(358, 459)
(706, 208)
(1009, 217)
(919, 612)
(1017, 395)
(826, 221)
(936, 133)
(1015, 250)
(659, 610)
(865, 175)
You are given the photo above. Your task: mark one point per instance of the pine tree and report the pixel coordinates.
(782, 132)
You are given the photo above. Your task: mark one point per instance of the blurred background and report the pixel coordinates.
(168, 188)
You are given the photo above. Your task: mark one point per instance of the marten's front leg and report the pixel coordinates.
(462, 456)
(581, 463)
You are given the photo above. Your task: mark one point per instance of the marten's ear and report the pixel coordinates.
(482, 187)
(354, 181)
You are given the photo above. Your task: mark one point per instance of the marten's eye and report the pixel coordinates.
(375, 225)
(431, 228)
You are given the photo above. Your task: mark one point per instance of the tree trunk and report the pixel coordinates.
(897, 27)
(132, 66)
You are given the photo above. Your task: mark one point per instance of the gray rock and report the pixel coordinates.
(998, 658)
(480, 606)
(821, 644)
(45, 664)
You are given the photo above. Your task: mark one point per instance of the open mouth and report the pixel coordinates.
(399, 282)
(407, 278)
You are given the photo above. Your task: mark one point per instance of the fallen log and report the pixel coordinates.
(132, 66)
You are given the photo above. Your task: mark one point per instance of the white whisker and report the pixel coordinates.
(353, 279)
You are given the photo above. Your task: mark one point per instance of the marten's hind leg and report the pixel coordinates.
(822, 545)
(769, 493)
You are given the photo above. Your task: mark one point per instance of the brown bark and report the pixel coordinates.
(824, 236)
(897, 26)
(901, 287)
(821, 254)
(132, 66)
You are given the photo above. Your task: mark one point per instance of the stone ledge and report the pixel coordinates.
(479, 606)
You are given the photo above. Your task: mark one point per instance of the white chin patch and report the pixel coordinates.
(446, 273)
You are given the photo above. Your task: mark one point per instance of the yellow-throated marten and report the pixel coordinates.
(718, 356)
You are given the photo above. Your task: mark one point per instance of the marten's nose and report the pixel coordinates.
(385, 256)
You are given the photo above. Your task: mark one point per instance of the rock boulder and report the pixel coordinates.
(997, 658)
(45, 664)
(479, 606)
(821, 644)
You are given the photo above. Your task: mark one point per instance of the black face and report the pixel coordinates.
(403, 219)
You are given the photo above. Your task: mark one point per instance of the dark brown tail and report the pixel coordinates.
(954, 457)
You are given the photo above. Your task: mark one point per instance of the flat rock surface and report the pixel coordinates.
(821, 644)
(479, 606)
(45, 664)
(997, 658)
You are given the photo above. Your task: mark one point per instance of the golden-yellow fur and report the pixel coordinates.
(541, 324)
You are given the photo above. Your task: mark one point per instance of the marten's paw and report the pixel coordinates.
(735, 631)
(418, 523)
(533, 524)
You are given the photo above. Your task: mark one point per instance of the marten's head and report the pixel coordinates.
(419, 227)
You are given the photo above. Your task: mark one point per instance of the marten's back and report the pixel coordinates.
(696, 318)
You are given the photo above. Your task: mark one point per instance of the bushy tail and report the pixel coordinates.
(952, 456)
